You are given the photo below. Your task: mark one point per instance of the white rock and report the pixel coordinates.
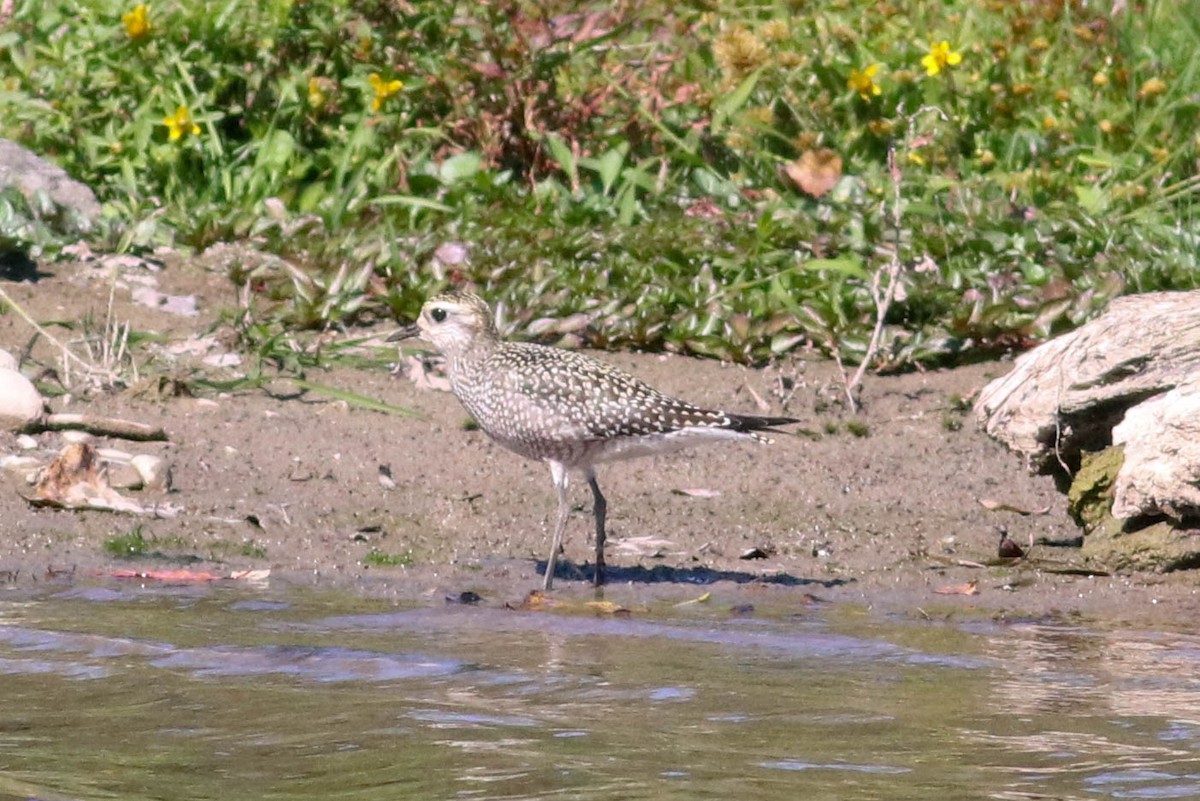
(76, 437)
(26, 442)
(19, 464)
(1160, 474)
(20, 401)
(124, 477)
(114, 456)
(7, 360)
(153, 469)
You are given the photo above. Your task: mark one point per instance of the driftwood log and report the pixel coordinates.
(1115, 405)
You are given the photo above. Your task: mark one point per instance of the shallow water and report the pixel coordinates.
(168, 693)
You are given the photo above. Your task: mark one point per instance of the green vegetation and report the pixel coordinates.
(135, 544)
(858, 428)
(129, 545)
(378, 558)
(904, 183)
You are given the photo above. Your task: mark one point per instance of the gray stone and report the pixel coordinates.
(34, 176)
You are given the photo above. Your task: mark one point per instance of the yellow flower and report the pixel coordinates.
(180, 123)
(383, 90)
(939, 57)
(1100, 79)
(1152, 88)
(137, 22)
(881, 128)
(316, 94)
(863, 82)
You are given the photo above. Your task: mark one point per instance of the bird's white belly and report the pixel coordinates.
(669, 442)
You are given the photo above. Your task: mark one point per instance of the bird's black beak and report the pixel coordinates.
(405, 332)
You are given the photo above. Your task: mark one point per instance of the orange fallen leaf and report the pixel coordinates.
(969, 588)
(172, 576)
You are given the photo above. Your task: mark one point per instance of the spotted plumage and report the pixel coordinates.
(564, 408)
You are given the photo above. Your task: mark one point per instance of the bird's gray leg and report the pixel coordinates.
(599, 510)
(558, 473)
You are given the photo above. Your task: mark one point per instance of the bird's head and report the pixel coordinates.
(452, 322)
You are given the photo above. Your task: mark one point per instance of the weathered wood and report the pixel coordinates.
(1161, 472)
(1068, 394)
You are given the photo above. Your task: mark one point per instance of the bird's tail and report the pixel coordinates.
(750, 423)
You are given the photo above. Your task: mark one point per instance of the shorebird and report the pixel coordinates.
(564, 408)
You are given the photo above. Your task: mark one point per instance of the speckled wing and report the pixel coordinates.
(574, 397)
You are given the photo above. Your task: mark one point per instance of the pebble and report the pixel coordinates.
(153, 470)
(20, 402)
(24, 466)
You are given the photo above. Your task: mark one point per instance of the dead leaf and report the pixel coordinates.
(816, 171)
(653, 547)
(1008, 549)
(608, 608)
(703, 599)
(999, 506)
(261, 574)
(756, 553)
(535, 601)
(969, 588)
(77, 479)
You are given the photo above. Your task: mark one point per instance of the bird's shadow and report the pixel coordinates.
(568, 571)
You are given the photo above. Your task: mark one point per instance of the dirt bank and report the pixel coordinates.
(292, 482)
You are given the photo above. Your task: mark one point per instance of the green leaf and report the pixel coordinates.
(1092, 198)
(850, 266)
(561, 152)
(410, 201)
(732, 103)
(277, 149)
(462, 167)
(608, 166)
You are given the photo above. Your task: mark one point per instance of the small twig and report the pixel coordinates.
(99, 426)
(882, 295)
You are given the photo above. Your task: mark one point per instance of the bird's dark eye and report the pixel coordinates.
(438, 314)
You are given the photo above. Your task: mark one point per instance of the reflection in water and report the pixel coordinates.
(1139, 691)
(120, 693)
